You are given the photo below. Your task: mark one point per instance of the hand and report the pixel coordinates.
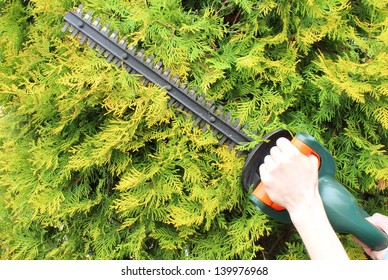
(289, 177)
(291, 180)
(381, 222)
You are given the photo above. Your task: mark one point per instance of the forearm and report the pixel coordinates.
(316, 232)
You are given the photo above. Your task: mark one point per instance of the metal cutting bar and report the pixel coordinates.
(107, 43)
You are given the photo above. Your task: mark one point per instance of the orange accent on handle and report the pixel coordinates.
(262, 195)
(304, 149)
(259, 191)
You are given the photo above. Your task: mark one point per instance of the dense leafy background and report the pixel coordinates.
(94, 165)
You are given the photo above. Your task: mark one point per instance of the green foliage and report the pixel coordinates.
(95, 165)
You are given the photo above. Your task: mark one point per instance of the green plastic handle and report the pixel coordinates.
(344, 214)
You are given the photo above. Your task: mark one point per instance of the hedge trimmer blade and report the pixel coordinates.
(116, 50)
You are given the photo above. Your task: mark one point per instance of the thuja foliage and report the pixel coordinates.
(95, 165)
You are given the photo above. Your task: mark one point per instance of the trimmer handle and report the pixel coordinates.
(343, 212)
(259, 191)
(346, 216)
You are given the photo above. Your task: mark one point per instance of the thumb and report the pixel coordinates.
(314, 161)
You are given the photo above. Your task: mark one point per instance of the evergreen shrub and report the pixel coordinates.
(95, 165)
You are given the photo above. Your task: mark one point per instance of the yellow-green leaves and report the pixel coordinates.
(95, 165)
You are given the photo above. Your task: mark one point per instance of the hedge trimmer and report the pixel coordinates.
(340, 205)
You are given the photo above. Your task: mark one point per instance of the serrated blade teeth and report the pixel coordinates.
(140, 54)
(227, 118)
(118, 62)
(167, 74)
(204, 128)
(88, 17)
(91, 43)
(79, 10)
(100, 49)
(197, 121)
(83, 38)
(231, 145)
(205, 114)
(222, 140)
(65, 27)
(109, 56)
(210, 104)
(132, 50)
(96, 23)
(113, 36)
(105, 29)
(106, 53)
(201, 99)
(175, 80)
(150, 59)
(129, 69)
(192, 94)
(171, 102)
(237, 124)
(181, 107)
(74, 31)
(123, 42)
(144, 81)
(219, 111)
(158, 65)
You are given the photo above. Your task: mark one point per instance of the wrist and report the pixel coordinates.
(313, 226)
(304, 212)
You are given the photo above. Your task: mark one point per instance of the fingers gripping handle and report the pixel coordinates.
(262, 195)
(259, 191)
(305, 149)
